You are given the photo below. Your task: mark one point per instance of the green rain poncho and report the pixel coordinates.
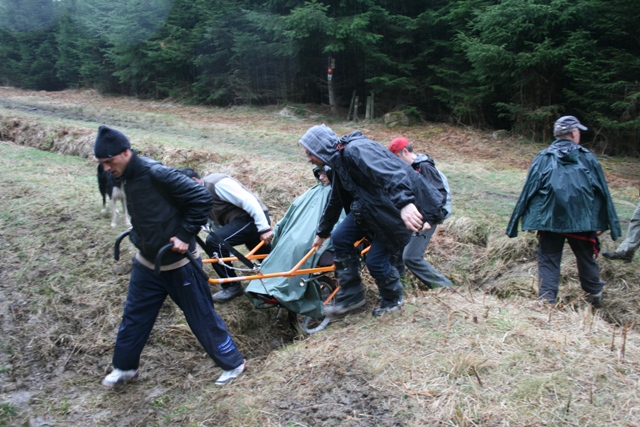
(293, 238)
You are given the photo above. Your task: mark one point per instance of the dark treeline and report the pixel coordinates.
(512, 64)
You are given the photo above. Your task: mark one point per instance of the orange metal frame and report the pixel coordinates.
(295, 271)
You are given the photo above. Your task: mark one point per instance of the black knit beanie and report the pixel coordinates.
(109, 143)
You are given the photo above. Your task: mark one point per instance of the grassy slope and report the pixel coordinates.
(452, 358)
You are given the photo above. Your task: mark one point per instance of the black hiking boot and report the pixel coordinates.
(617, 256)
(350, 297)
(388, 307)
(340, 309)
(390, 290)
(595, 300)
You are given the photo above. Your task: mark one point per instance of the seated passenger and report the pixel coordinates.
(243, 219)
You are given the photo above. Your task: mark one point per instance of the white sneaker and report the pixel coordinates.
(228, 376)
(120, 377)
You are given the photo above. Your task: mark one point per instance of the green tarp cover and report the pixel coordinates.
(293, 238)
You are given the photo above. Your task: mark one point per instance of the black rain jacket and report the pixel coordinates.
(372, 184)
(163, 203)
(426, 166)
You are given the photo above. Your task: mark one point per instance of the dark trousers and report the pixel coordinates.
(378, 261)
(240, 231)
(190, 291)
(550, 247)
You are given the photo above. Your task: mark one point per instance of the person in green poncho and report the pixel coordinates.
(566, 197)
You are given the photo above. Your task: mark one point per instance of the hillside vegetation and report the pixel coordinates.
(484, 353)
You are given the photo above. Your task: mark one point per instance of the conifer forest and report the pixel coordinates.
(494, 64)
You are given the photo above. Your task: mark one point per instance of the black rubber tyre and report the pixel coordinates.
(309, 325)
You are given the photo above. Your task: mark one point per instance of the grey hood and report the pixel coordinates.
(322, 142)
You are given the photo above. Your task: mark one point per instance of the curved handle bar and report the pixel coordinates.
(116, 246)
(168, 246)
(202, 245)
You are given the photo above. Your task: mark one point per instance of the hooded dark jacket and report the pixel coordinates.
(565, 192)
(426, 166)
(372, 184)
(163, 203)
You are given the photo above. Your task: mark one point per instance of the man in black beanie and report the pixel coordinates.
(165, 206)
(110, 143)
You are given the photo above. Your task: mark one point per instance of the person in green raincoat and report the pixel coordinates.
(565, 197)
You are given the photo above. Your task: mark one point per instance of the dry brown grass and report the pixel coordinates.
(482, 354)
(452, 359)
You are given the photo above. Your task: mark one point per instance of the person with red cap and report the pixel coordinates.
(413, 253)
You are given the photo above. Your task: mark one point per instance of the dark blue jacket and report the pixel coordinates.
(163, 203)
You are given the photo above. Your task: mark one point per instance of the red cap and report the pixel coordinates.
(398, 144)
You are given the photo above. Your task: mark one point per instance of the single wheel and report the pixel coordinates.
(309, 325)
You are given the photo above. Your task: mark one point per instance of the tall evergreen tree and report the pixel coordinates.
(603, 67)
(518, 48)
(243, 55)
(9, 59)
(29, 26)
(126, 26)
(501, 63)
(451, 88)
(218, 78)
